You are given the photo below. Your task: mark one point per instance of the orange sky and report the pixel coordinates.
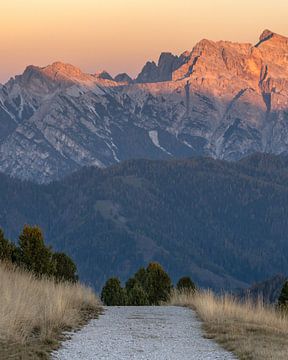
(120, 35)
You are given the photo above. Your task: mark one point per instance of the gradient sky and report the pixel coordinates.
(121, 35)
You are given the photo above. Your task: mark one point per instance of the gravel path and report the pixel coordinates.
(154, 333)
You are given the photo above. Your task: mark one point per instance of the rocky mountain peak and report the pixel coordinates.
(62, 71)
(149, 73)
(104, 75)
(123, 77)
(272, 38)
(266, 34)
(221, 99)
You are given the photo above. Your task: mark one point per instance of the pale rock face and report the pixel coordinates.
(221, 99)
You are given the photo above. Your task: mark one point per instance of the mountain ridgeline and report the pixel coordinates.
(221, 99)
(222, 223)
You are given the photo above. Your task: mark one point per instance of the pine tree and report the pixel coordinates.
(112, 293)
(186, 284)
(64, 267)
(34, 255)
(158, 284)
(5, 248)
(137, 296)
(283, 298)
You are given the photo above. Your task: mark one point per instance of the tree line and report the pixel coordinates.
(32, 254)
(148, 286)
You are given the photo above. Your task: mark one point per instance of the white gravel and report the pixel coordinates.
(154, 333)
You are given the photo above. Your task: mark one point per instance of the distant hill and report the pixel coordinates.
(222, 223)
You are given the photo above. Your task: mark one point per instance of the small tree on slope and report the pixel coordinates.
(5, 248)
(112, 293)
(186, 284)
(283, 298)
(34, 255)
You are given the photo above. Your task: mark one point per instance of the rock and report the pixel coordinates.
(221, 99)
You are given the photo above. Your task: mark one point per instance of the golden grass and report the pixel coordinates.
(36, 311)
(252, 330)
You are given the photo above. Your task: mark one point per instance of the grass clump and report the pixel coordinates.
(252, 330)
(34, 311)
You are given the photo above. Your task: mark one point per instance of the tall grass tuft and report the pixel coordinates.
(252, 330)
(38, 308)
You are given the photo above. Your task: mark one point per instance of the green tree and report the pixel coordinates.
(5, 248)
(112, 293)
(283, 298)
(141, 276)
(34, 255)
(186, 284)
(64, 267)
(158, 284)
(136, 296)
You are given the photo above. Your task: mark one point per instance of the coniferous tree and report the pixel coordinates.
(64, 267)
(112, 293)
(186, 284)
(136, 296)
(158, 284)
(34, 255)
(5, 248)
(283, 298)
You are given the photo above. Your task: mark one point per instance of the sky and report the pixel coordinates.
(121, 35)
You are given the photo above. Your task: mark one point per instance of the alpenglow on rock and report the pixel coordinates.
(222, 99)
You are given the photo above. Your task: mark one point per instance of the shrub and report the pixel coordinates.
(149, 286)
(158, 284)
(64, 268)
(283, 298)
(186, 284)
(5, 248)
(112, 293)
(136, 296)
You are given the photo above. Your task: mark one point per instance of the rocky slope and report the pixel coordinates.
(221, 99)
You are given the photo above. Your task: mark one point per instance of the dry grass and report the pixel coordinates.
(34, 312)
(251, 330)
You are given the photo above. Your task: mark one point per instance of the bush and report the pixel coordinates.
(5, 248)
(136, 296)
(149, 286)
(283, 298)
(186, 284)
(158, 284)
(112, 293)
(64, 268)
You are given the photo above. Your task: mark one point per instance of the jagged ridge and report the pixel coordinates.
(221, 99)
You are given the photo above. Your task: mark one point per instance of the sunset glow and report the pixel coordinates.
(121, 35)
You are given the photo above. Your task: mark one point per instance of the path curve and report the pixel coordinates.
(142, 333)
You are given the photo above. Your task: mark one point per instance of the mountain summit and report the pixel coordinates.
(220, 99)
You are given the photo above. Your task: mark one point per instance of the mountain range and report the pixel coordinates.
(221, 99)
(222, 223)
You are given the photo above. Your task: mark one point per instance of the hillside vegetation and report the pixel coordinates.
(35, 311)
(252, 330)
(223, 224)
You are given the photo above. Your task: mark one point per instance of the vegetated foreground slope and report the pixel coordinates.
(251, 330)
(220, 99)
(35, 311)
(224, 224)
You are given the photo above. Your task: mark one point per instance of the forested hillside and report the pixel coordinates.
(224, 224)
